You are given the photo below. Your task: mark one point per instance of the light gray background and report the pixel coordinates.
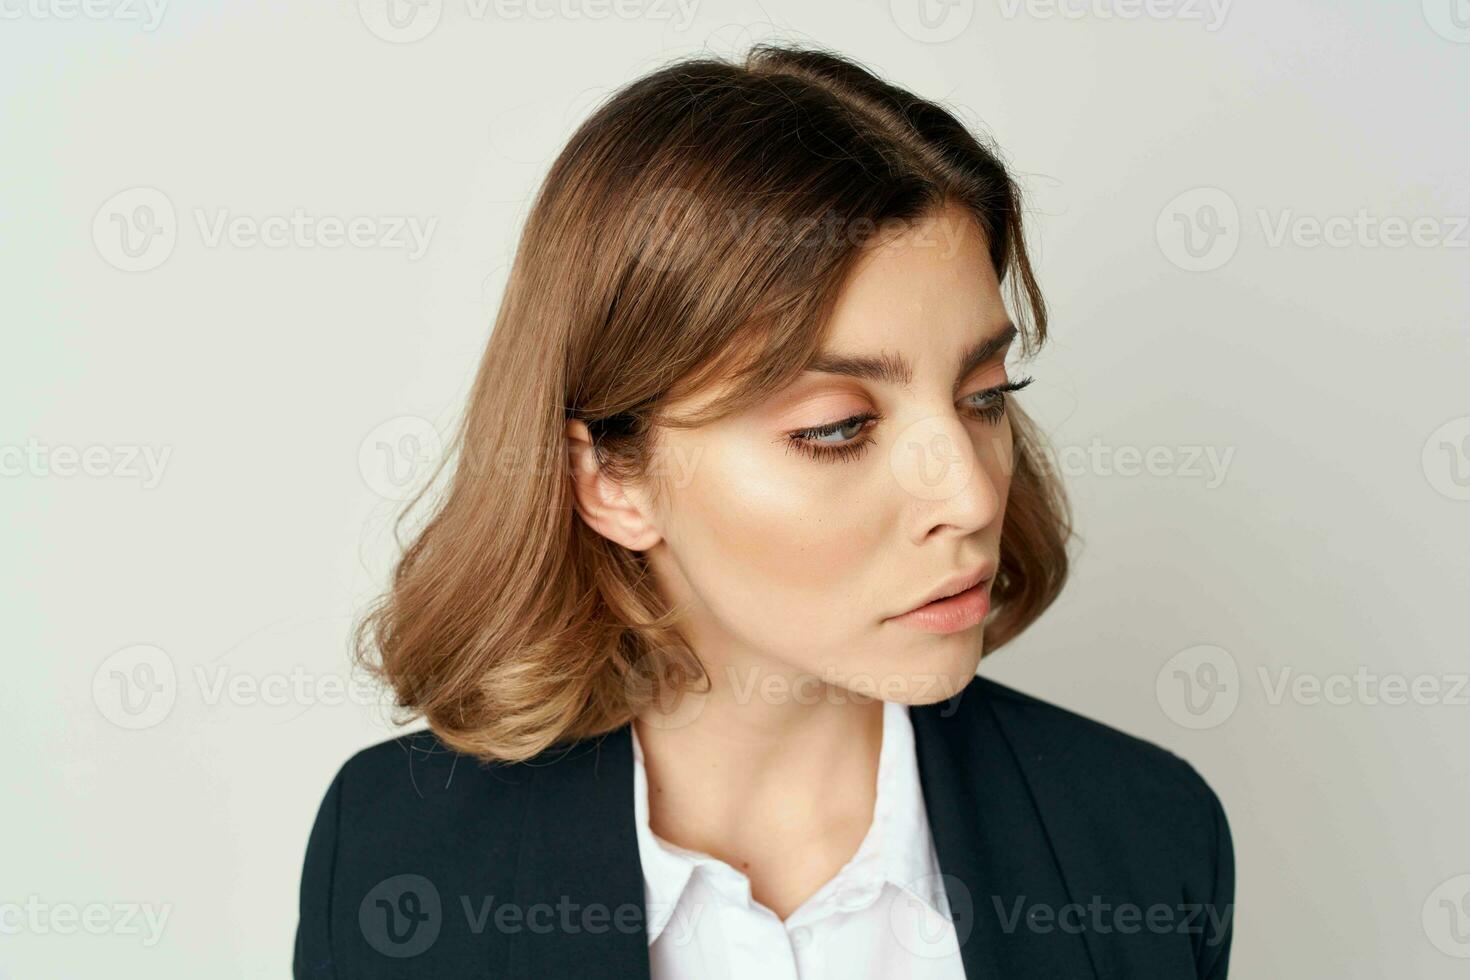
(288, 392)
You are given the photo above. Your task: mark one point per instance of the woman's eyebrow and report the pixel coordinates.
(895, 369)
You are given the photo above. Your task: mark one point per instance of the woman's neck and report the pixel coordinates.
(781, 789)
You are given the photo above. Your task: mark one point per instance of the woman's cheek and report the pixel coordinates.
(791, 527)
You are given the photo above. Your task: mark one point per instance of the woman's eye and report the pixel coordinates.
(848, 438)
(844, 431)
(837, 441)
(990, 405)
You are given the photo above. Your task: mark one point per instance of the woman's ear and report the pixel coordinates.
(618, 512)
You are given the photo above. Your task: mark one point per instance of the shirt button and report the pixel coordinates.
(800, 936)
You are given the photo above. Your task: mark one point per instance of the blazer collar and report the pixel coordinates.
(996, 859)
(579, 881)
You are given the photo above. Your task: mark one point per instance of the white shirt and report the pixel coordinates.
(884, 915)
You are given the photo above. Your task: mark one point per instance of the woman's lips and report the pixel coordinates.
(950, 615)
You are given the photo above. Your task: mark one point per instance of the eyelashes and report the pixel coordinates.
(988, 406)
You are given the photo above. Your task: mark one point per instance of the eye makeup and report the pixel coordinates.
(987, 405)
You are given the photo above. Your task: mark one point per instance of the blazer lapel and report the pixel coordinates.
(995, 853)
(579, 883)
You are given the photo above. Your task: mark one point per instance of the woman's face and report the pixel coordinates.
(793, 536)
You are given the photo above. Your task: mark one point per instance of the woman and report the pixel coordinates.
(741, 497)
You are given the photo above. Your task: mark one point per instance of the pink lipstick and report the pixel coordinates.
(951, 614)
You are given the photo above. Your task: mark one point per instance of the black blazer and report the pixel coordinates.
(1067, 849)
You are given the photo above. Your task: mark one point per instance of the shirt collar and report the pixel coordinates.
(897, 849)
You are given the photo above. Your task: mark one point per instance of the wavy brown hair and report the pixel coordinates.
(696, 228)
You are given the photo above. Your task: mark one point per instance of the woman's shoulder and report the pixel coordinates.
(422, 765)
(416, 781)
(1105, 790)
(1129, 822)
(411, 817)
(1050, 736)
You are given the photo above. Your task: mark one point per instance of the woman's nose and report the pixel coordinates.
(940, 461)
